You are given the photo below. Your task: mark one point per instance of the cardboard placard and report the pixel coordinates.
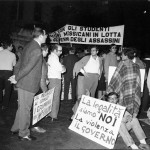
(42, 105)
(98, 121)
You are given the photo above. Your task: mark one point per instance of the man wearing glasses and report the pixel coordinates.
(55, 69)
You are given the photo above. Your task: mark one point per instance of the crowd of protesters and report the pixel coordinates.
(86, 72)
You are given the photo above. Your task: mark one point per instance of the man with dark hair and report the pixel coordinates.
(55, 69)
(90, 67)
(110, 60)
(7, 62)
(128, 123)
(88, 70)
(68, 62)
(27, 73)
(127, 83)
(43, 84)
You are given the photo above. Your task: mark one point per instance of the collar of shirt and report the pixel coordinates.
(53, 54)
(93, 58)
(134, 59)
(112, 53)
(37, 42)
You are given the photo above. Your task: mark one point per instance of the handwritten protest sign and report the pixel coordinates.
(98, 120)
(42, 105)
(112, 70)
(88, 35)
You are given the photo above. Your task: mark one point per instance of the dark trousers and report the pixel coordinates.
(146, 98)
(67, 81)
(6, 86)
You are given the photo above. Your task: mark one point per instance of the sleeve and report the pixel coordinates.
(33, 59)
(14, 61)
(137, 102)
(106, 66)
(101, 66)
(17, 67)
(79, 65)
(148, 80)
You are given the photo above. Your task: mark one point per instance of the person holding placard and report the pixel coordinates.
(110, 60)
(126, 81)
(128, 123)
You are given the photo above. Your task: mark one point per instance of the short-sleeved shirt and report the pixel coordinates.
(7, 60)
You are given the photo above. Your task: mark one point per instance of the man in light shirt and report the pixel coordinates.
(55, 69)
(7, 62)
(88, 70)
(91, 68)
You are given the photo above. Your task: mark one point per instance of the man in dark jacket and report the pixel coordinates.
(69, 62)
(28, 76)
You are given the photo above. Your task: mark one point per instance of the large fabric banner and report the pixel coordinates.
(88, 35)
(98, 121)
(42, 105)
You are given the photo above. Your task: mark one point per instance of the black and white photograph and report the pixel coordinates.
(74, 74)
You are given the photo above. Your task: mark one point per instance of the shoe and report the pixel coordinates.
(38, 129)
(14, 132)
(54, 119)
(27, 138)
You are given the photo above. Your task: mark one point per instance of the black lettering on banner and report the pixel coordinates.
(76, 34)
(81, 28)
(69, 27)
(95, 34)
(104, 40)
(55, 39)
(78, 39)
(72, 27)
(95, 29)
(64, 39)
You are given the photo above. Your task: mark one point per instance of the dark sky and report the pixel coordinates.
(134, 14)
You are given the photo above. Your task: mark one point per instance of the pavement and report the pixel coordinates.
(57, 135)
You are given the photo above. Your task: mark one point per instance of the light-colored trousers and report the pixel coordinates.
(137, 129)
(22, 119)
(85, 83)
(56, 98)
(90, 83)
